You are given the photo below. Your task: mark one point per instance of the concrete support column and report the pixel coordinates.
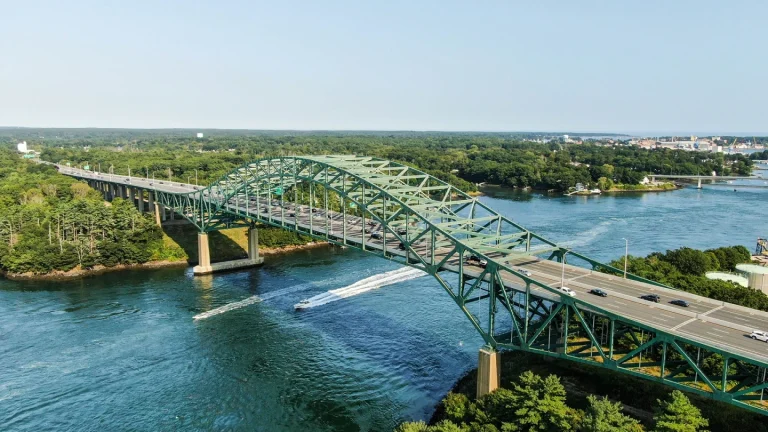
(488, 371)
(157, 214)
(253, 243)
(162, 211)
(140, 196)
(173, 214)
(151, 201)
(204, 255)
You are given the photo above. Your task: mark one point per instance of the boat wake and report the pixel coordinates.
(253, 299)
(365, 285)
(228, 307)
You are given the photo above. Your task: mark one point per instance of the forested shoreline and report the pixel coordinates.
(463, 160)
(54, 225)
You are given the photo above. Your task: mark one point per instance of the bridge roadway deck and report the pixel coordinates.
(709, 321)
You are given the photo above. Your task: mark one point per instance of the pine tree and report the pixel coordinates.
(602, 415)
(678, 414)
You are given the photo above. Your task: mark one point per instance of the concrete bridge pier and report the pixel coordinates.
(204, 265)
(488, 371)
(140, 195)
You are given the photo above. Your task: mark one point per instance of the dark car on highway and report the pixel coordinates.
(401, 246)
(377, 235)
(476, 260)
(651, 297)
(598, 292)
(679, 302)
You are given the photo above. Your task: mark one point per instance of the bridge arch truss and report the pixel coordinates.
(475, 254)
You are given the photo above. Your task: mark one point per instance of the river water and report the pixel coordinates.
(121, 352)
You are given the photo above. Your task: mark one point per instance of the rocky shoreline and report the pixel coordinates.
(78, 272)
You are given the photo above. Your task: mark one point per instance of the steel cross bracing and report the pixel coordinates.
(504, 278)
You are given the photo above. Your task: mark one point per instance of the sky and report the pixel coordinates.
(582, 66)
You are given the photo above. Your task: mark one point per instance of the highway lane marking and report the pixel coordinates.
(737, 348)
(713, 310)
(721, 331)
(684, 323)
(714, 334)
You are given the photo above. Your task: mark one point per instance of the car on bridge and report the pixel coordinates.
(598, 292)
(475, 260)
(568, 291)
(401, 246)
(681, 303)
(377, 235)
(651, 297)
(759, 335)
(524, 272)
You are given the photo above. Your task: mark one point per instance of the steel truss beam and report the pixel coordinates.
(428, 224)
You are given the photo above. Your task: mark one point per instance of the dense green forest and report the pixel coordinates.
(536, 403)
(49, 221)
(462, 159)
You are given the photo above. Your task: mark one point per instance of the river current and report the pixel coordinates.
(121, 351)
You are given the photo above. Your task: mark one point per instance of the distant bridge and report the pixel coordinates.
(699, 178)
(477, 256)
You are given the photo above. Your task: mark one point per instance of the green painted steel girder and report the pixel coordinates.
(428, 224)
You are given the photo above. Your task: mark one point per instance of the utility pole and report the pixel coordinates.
(195, 176)
(626, 256)
(562, 273)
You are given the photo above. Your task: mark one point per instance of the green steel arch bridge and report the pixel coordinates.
(505, 279)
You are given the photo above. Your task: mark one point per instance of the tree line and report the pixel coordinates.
(536, 403)
(52, 222)
(461, 159)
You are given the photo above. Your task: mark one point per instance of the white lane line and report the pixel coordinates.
(618, 302)
(684, 323)
(668, 316)
(721, 331)
(714, 334)
(713, 310)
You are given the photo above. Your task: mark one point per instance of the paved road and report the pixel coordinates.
(711, 322)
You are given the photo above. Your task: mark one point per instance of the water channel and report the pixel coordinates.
(121, 351)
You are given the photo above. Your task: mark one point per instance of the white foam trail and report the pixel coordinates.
(360, 287)
(251, 300)
(228, 307)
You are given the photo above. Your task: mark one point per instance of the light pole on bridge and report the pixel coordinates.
(626, 256)
(195, 176)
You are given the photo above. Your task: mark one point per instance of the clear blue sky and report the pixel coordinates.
(642, 66)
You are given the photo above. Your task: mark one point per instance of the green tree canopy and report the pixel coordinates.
(678, 414)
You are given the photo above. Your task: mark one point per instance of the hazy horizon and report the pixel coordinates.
(687, 67)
